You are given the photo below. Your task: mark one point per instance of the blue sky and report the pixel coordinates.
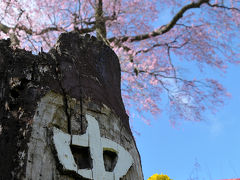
(208, 150)
(205, 150)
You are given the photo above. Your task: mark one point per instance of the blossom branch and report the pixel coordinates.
(162, 29)
(222, 6)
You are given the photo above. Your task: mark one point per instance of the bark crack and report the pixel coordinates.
(59, 76)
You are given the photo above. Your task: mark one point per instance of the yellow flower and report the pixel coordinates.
(159, 177)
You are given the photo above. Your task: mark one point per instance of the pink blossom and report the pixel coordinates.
(151, 68)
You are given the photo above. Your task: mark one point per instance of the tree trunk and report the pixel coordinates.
(100, 23)
(62, 115)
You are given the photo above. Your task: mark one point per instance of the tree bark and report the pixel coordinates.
(56, 94)
(100, 23)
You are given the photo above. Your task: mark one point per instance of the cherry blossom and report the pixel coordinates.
(199, 32)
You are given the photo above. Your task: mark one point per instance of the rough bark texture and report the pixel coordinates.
(79, 76)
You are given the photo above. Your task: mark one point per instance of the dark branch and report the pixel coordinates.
(162, 29)
(222, 6)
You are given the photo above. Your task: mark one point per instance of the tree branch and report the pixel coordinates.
(86, 30)
(100, 24)
(222, 6)
(162, 29)
(5, 29)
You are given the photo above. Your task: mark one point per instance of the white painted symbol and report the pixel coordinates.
(96, 145)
